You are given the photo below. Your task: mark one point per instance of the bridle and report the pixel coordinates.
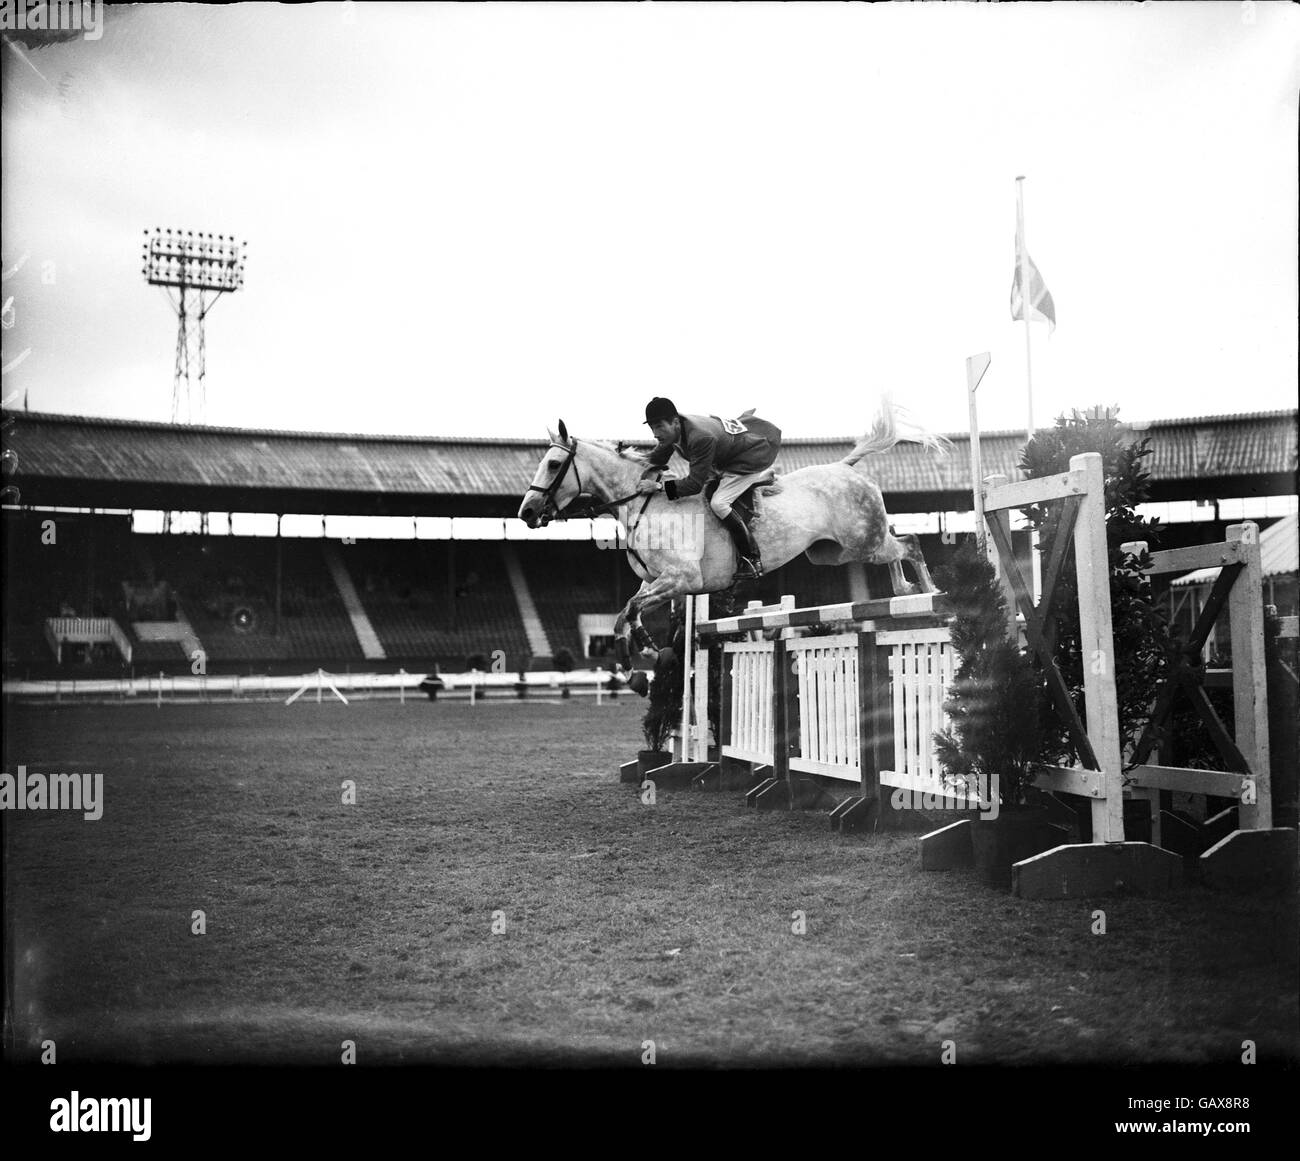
(551, 509)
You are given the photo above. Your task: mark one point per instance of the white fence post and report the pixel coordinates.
(1097, 648)
(1249, 675)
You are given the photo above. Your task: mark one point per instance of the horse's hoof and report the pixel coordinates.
(638, 683)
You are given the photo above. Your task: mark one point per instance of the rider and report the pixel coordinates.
(741, 450)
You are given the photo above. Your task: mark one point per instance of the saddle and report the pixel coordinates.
(747, 502)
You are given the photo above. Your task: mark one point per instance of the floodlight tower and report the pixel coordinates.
(200, 268)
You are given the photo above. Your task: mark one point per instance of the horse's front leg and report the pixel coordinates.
(628, 629)
(661, 591)
(629, 632)
(649, 596)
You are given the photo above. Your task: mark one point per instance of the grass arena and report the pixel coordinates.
(493, 896)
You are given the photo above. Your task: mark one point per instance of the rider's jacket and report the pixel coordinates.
(736, 446)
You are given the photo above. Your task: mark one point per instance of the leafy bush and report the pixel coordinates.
(1144, 649)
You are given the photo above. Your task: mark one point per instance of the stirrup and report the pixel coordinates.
(748, 570)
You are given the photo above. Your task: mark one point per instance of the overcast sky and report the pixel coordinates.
(473, 219)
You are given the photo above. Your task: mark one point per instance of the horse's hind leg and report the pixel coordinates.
(898, 549)
(898, 582)
(918, 563)
(892, 552)
(911, 546)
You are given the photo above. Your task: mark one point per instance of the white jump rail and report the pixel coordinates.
(893, 608)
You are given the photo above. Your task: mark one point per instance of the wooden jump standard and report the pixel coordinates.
(801, 713)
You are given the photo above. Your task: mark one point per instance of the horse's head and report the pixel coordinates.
(556, 483)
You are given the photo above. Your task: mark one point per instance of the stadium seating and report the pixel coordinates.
(225, 587)
(147, 655)
(403, 585)
(60, 565)
(568, 580)
(221, 589)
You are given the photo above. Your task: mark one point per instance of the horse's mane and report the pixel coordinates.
(623, 451)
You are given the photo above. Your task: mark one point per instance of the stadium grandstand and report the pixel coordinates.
(130, 546)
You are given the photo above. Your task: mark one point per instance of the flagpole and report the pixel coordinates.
(976, 365)
(1023, 259)
(1035, 564)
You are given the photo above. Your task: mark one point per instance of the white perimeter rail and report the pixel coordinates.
(162, 686)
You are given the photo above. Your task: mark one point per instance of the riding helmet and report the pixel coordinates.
(659, 408)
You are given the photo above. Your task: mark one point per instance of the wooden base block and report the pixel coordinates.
(949, 848)
(708, 779)
(1083, 870)
(854, 815)
(1055, 810)
(769, 795)
(759, 774)
(1180, 836)
(1251, 861)
(806, 793)
(1219, 827)
(733, 774)
(678, 773)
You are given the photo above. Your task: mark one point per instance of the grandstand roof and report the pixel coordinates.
(79, 461)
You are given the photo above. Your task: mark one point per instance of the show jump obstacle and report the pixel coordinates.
(846, 721)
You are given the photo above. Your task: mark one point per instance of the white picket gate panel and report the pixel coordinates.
(827, 671)
(751, 700)
(922, 666)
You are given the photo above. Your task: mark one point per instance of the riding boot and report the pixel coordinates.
(749, 568)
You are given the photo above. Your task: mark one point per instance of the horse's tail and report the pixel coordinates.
(891, 426)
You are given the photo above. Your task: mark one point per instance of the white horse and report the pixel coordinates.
(833, 513)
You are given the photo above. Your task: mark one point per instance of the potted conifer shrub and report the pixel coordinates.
(993, 736)
(664, 711)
